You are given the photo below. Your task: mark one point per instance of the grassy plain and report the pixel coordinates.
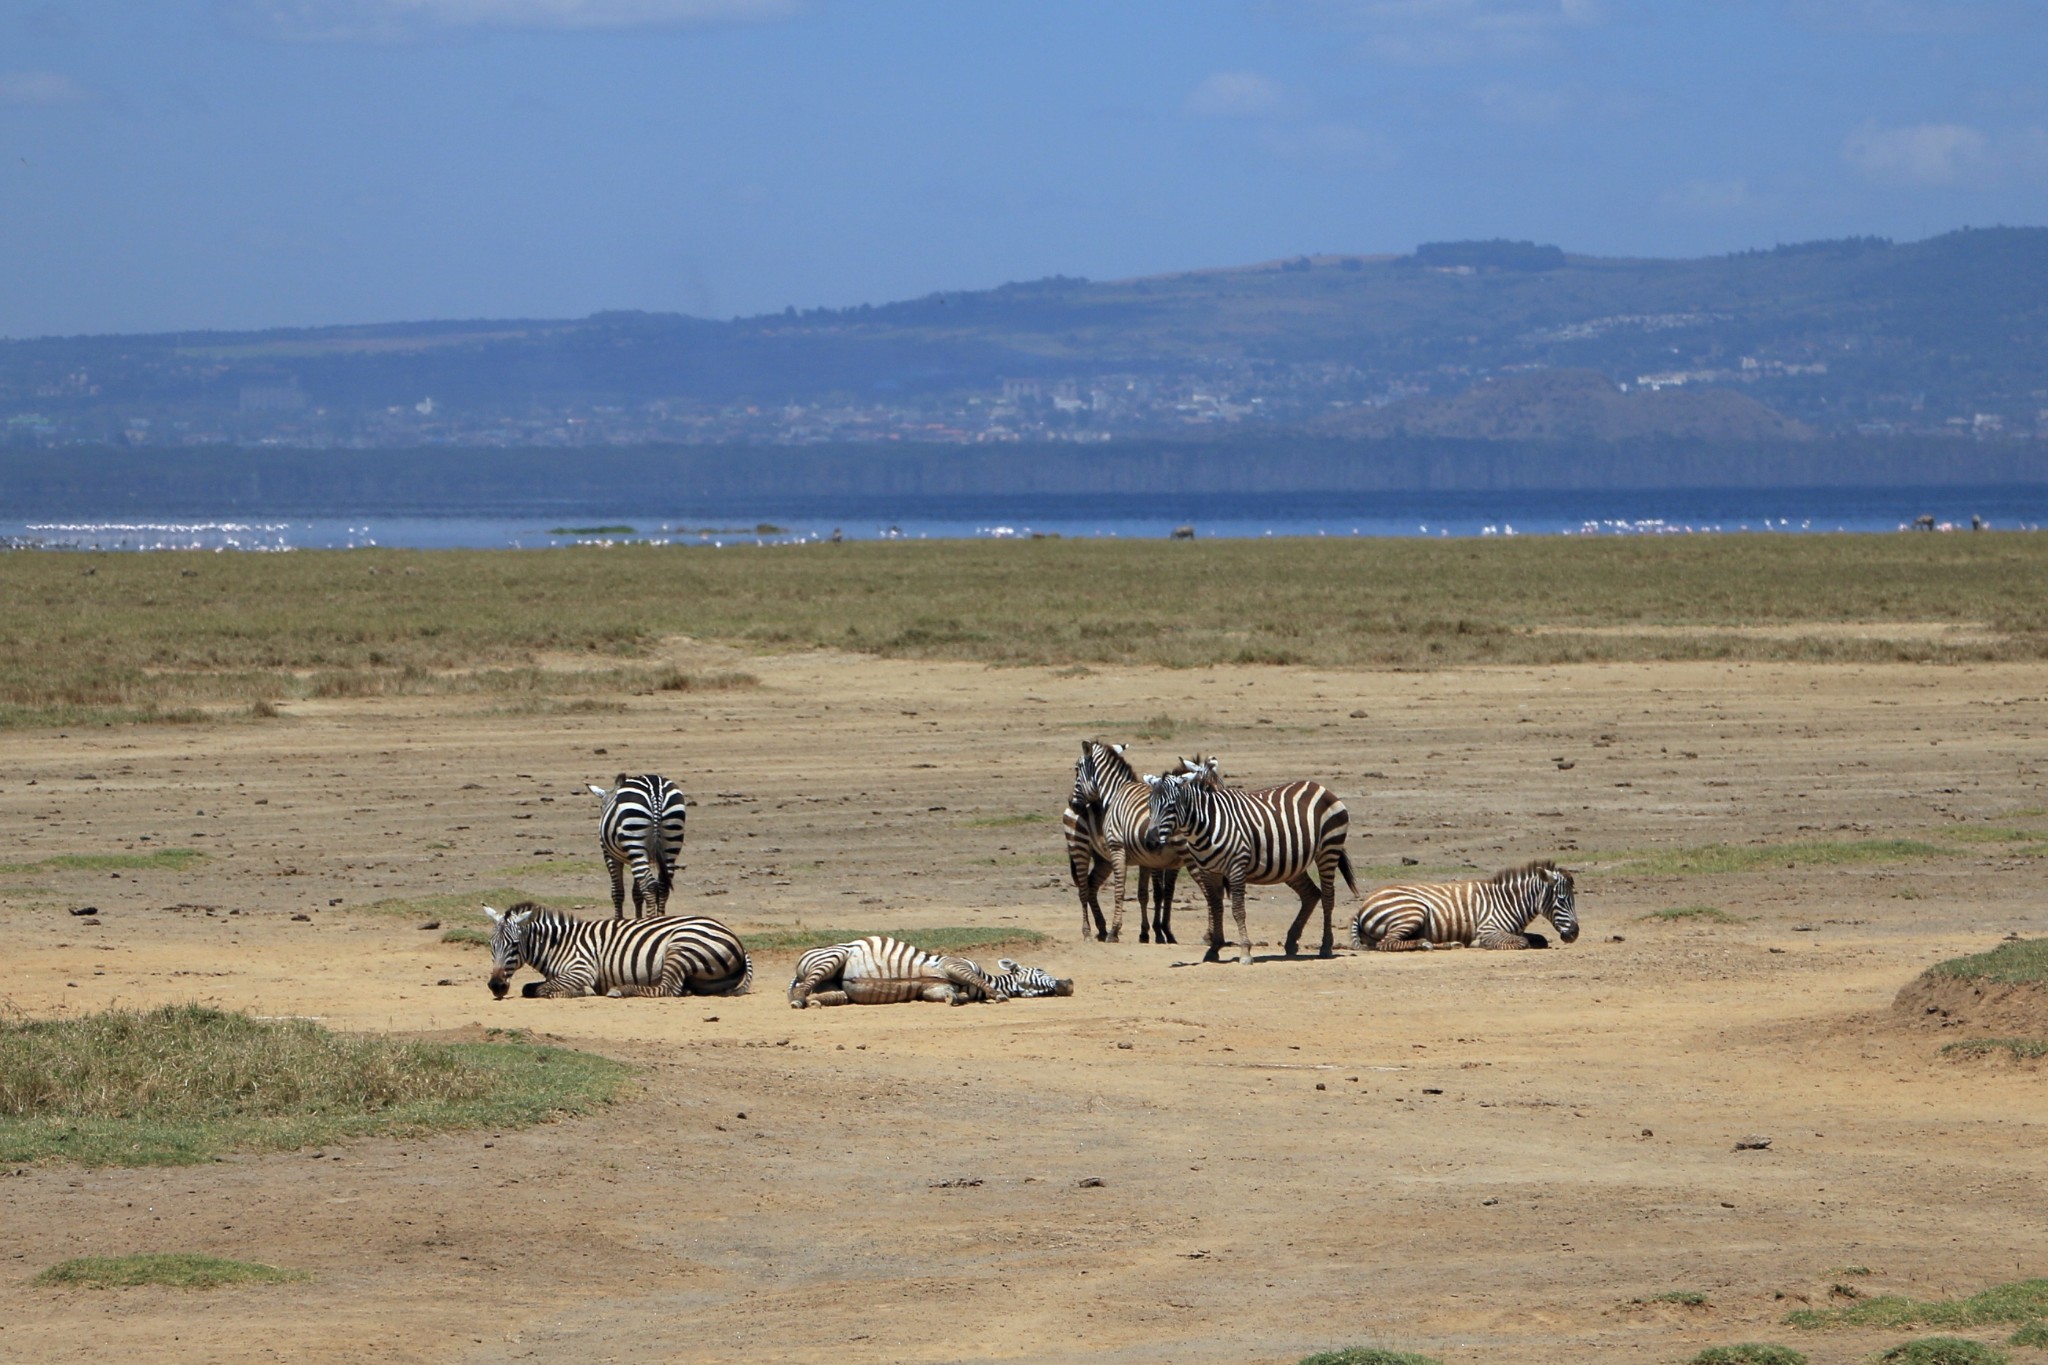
(91, 637)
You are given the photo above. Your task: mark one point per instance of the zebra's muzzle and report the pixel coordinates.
(500, 983)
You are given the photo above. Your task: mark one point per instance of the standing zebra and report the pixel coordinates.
(1233, 837)
(667, 955)
(1493, 913)
(885, 971)
(1108, 826)
(641, 828)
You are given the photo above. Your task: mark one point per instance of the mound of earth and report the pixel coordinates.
(1978, 1007)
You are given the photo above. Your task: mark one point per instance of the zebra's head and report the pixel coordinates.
(508, 944)
(1560, 906)
(1088, 771)
(1032, 981)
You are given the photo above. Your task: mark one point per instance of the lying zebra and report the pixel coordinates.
(664, 955)
(884, 971)
(1493, 913)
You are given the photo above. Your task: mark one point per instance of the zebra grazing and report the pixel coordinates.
(1108, 826)
(1021, 983)
(1232, 837)
(666, 955)
(1490, 913)
(884, 971)
(641, 828)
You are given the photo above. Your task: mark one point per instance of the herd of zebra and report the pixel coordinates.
(1229, 837)
(1188, 819)
(641, 834)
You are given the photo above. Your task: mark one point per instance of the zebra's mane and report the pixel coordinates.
(1110, 766)
(1529, 869)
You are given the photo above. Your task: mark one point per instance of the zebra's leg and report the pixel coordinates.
(889, 990)
(1244, 935)
(822, 999)
(1088, 882)
(1500, 938)
(801, 990)
(969, 980)
(1162, 906)
(1145, 879)
(1306, 889)
(1215, 897)
(1119, 865)
(618, 870)
(574, 981)
(1329, 909)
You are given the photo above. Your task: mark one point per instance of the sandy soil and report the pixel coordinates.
(1483, 1156)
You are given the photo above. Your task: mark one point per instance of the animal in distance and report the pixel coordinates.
(878, 970)
(1233, 837)
(658, 955)
(1493, 912)
(1108, 826)
(641, 829)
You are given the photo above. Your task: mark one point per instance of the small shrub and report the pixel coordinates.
(179, 1270)
(1749, 1353)
(1368, 1355)
(2018, 1301)
(1684, 1298)
(2026, 1049)
(1695, 914)
(1943, 1351)
(2034, 1334)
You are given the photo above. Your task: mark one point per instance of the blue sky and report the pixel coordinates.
(170, 164)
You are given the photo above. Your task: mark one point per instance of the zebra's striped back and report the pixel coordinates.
(658, 955)
(1491, 913)
(1233, 837)
(881, 970)
(641, 829)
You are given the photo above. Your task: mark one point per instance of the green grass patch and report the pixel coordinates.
(2018, 1301)
(1992, 834)
(1683, 1298)
(1694, 914)
(1706, 859)
(1749, 1353)
(183, 1083)
(178, 1270)
(953, 939)
(474, 938)
(1943, 1351)
(162, 860)
(450, 905)
(2034, 1334)
(2020, 962)
(137, 640)
(2020, 1049)
(1368, 1355)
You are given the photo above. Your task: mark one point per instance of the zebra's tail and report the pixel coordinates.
(1344, 866)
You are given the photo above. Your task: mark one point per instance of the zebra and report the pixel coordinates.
(1489, 913)
(884, 971)
(1232, 837)
(1020, 982)
(665, 955)
(1108, 826)
(641, 828)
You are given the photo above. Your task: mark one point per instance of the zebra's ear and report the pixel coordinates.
(595, 790)
(497, 915)
(1007, 964)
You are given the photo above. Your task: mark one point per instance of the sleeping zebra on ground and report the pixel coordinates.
(641, 828)
(886, 971)
(1232, 837)
(1493, 913)
(668, 955)
(1108, 826)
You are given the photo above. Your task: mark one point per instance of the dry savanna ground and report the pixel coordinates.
(1481, 1156)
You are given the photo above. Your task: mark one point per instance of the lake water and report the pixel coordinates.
(793, 519)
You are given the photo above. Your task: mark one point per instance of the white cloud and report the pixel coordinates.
(40, 88)
(1233, 94)
(1924, 154)
(398, 20)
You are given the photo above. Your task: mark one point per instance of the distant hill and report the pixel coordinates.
(1500, 340)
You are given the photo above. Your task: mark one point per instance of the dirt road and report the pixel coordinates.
(1483, 1156)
